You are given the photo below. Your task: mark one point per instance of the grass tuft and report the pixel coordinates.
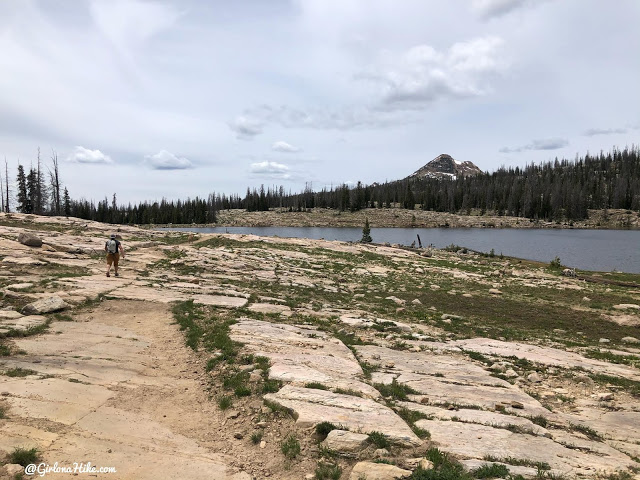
(224, 402)
(328, 471)
(24, 456)
(290, 447)
(395, 390)
(379, 439)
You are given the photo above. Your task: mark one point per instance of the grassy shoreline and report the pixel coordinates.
(401, 218)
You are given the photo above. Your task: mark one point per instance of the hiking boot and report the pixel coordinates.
(108, 274)
(117, 275)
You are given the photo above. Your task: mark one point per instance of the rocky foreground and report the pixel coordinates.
(239, 357)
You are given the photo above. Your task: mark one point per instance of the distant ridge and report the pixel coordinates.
(445, 166)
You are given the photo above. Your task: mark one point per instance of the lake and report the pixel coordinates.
(602, 250)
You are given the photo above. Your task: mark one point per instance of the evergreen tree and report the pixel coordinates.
(67, 203)
(366, 232)
(23, 202)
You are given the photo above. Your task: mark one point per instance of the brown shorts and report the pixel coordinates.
(113, 258)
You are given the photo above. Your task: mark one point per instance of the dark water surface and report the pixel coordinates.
(603, 250)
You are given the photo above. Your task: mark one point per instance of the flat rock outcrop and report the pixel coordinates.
(481, 441)
(364, 415)
(303, 355)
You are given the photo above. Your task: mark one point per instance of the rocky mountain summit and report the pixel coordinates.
(238, 357)
(445, 166)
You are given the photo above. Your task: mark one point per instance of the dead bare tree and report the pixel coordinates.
(6, 185)
(2, 191)
(54, 182)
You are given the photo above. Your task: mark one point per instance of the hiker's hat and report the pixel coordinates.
(113, 235)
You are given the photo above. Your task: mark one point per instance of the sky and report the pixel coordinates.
(175, 99)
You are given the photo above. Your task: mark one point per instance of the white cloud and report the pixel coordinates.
(272, 170)
(246, 127)
(544, 144)
(85, 155)
(423, 75)
(284, 147)
(164, 160)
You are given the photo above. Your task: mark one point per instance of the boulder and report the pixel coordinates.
(45, 305)
(29, 239)
(377, 471)
(13, 470)
(630, 340)
(343, 441)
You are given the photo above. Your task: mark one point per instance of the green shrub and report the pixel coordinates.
(24, 456)
(290, 447)
(224, 402)
(328, 471)
(242, 391)
(494, 470)
(316, 385)
(256, 438)
(395, 390)
(379, 440)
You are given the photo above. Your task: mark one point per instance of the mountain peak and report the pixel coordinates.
(445, 166)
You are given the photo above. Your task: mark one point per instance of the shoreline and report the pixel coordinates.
(400, 218)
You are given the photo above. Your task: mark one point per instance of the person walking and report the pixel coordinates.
(113, 248)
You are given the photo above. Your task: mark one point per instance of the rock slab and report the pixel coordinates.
(377, 471)
(45, 305)
(344, 441)
(312, 406)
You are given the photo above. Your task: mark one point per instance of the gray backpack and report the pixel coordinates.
(112, 246)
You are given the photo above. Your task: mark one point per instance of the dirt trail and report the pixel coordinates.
(125, 392)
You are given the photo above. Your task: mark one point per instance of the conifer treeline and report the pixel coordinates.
(555, 190)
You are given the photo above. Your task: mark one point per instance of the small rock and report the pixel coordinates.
(434, 287)
(517, 405)
(627, 306)
(381, 452)
(498, 367)
(309, 476)
(238, 436)
(630, 340)
(345, 442)
(263, 444)
(266, 410)
(604, 340)
(495, 291)
(534, 377)
(29, 239)
(586, 299)
(13, 469)
(511, 373)
(416, 301)
(232, 414)
(426, 464)
(605, 397)
(396, 300)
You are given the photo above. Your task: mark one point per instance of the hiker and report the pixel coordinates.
(113, 248)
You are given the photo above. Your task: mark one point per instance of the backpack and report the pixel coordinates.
(112, 246)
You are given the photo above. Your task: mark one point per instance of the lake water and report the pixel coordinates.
(603, 250)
